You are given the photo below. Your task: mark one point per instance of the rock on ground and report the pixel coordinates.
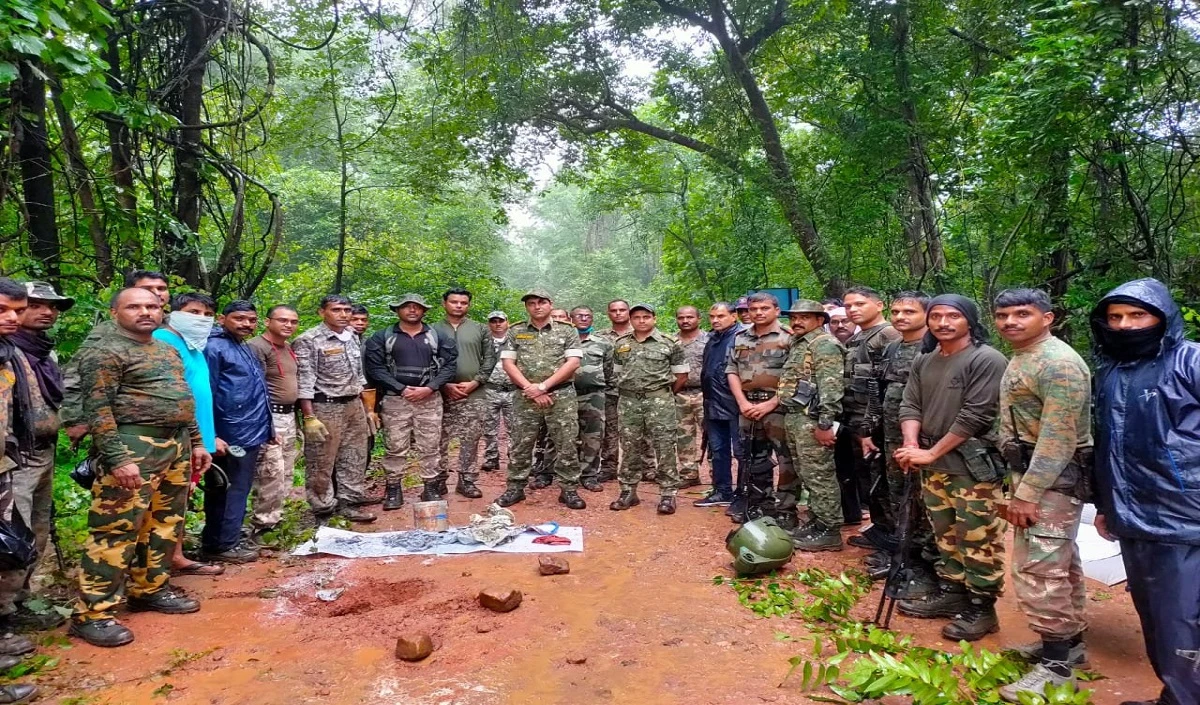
(501, 599)
(553, 565)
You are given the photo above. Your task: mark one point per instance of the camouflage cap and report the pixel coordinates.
(743, 303)
(497, 314)
(43, 291)
(410, 298)
(806, 306)
(644, 307)
(537, 294)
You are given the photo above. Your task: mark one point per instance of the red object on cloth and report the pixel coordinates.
(553, 540)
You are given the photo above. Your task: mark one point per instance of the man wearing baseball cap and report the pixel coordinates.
(540, 357)
(499, 396)
(742, 308)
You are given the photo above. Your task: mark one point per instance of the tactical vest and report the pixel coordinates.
(431, 338)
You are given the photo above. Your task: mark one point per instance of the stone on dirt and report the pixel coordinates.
(413, 647)
(577, 659)
(553, 565)
(500, 599)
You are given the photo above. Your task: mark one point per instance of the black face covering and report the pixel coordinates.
(1125, 345)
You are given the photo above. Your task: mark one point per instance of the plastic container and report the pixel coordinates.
(431, 516)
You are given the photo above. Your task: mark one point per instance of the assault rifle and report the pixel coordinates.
(900, 572)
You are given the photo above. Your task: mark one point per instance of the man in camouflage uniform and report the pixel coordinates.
(540, 357)
(618, 317)
(499, 395)
(464, 400)
(143, 425)
(908, 318)
(1046, 392)
(409, 362)
(650, 368)
(544, 456)
(330, 384)
(689, 402)
(810, 389)
(863, 411)
(592, 382)
(947, 418)
(754, 367)
(276, 462)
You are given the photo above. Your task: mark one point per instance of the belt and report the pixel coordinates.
(161, 432)
(645, 395)
(691, 390)
(501, 387)
(760, 394)
(587, 390)
(322, 398)
(282, 408)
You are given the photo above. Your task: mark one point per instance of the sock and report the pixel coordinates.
(1055, 655)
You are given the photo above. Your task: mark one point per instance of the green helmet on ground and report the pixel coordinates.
(759, 546)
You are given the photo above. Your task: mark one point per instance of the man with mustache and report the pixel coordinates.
(947, 419)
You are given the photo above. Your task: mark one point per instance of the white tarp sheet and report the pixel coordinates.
(1101, 558)
(352, 544)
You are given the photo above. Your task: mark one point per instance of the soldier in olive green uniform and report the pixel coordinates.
(541, 357)
(592, 382)
(810, 388)
(1046, 392)
(650, 368)
(143, 424)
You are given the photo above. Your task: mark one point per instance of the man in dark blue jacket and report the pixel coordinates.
(1148, 472)
(720, 408)
(242, 411)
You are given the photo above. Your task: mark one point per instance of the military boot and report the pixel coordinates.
(627, 499)
(432, 492)
(511, 496)
(108, 633)
(17, 693)
(164, 601)
(541, 482)
(356, 515)
(442, 490)
(591, 484)
(15, 644)
(818, 537)
(466, 487)
(7, 662)
(666, 505)
(393, 497)
(974, 622)
(949, 600)
(572, 499)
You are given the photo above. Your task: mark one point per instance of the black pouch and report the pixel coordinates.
(981, 460)
(1085, 459)
(1016, 456)
(84, 474)
(802, 398)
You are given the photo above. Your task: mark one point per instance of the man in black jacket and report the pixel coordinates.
(720, 408)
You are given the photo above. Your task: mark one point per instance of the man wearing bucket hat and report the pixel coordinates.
(409, 363)
(540, 357)
(811, 389)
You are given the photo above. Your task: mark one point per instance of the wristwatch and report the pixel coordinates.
(541, 387)
(824, 425)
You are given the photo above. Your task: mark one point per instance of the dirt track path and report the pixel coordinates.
(639, 605)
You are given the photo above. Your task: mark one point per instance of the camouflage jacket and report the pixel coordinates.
(327, 365)
(1047, 389)
(694, 352)
(70, 412)
(758, 359)
(539, 352)
(125, 381)
(648, 365)
(595, 371)
(864, 358)
(818, 358)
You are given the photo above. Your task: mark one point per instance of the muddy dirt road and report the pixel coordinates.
(638, 608)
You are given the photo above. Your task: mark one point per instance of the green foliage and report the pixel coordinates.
(36, 663)
(828, 598)
(294, 528)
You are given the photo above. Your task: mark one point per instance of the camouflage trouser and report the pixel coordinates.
(340, 458)
(922, 545)
(499, 406)
(464, 420)
(562, 423)
(649, 416)
(610, 451)
(544, 456)
(772, 429)
(814, 464)
(969, 530)
(407, 424)
(1047, 573)
(689, 408)
(32, 496)
(591, 433)
(122, 539)
(273, 476)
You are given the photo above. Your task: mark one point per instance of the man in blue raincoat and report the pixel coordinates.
(1148, 472)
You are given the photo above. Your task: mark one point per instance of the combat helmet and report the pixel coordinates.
(759, 546)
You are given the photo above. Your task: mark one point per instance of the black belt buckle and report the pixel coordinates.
(283, 408)
(326, 399)
(760, 395)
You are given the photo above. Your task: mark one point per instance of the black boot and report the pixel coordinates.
(432, 491)
(164, 601)
(949, 600)
(818, 537)
(627, 499)
(975, 622)
(441, 488)
(572, 499)
(393, 497)
(466, 487)
(666, 505)
(108, 633)
(17, 693)
(511, 496)
(541, 482)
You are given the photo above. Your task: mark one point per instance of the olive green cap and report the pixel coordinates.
(645, 307)
(410, 298)
(807, 306)
(537, 294)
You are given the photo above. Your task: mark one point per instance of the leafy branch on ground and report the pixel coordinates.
(828, 598)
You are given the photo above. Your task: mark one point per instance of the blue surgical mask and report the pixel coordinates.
(584, 331)
(192, 327)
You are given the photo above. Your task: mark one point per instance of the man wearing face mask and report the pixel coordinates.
(241, 409)
(1148, 472)
(186, 329)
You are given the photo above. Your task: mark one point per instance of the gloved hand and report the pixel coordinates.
(314, 430)
(373, 422)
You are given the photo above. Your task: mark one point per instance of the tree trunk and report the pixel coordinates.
(36, 177)
(130, 251)
(83, 178)
(344, 175)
